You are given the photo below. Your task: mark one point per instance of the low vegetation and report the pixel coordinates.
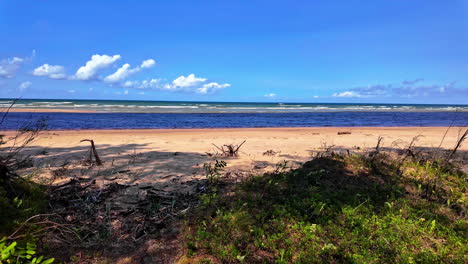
(20, 198)
(337, 209)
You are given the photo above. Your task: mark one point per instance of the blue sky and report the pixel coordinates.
(394, 51)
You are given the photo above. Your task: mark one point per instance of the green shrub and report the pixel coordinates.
(337, 210)
(14, 252)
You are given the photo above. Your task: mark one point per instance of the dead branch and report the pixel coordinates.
(92, 152)
(457, 146)
(230, 150)
(377, 147)
(43, 225)
(448, 128)
(270, 152)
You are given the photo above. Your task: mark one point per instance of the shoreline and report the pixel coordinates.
(46, 110)
(245, 129)
(204, 111)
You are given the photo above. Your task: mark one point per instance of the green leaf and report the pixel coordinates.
(9, 248)
(49, 261)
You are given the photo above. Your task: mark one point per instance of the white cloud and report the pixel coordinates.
(148, 63)
(211, 87)
(183, 82)
(123, 72)
(193, 84)
(129, 84)
(51, 71)
(270, 95)
(347, 94)
(9, 67)
(97, 63)
(24, 85)
(126, 92)
(150, 84)
(145, 84)
(316, 96)
(71, 91)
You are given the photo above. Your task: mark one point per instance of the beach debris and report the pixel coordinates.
(260, 165)
(379, 141)
(270, 152)
(230, 150)
(410, 149)
(92, 152)
(458, 145)
(61, 171)
(344, 133)
(209, 154)
(119, 212)
(376, 151)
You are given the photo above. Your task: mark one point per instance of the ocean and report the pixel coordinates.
(107, 114)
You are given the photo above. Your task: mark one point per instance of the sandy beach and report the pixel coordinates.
(154, 156)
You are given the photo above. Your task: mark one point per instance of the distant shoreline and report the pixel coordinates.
(46, 110)
(201, 111)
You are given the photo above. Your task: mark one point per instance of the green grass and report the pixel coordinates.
(337, 209)
(29, 199)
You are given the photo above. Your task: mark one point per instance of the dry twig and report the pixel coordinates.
(230, 150)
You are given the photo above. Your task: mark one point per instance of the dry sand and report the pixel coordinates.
(172, 157)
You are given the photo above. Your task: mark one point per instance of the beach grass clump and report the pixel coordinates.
(337, 209)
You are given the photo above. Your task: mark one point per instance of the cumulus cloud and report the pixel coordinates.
(270, 95)
(95, 64)
(191, 83)
(123, 72)
(150, 84)
(9, 67)
(211, 87)
(347, 94)
(119, 78)
(24, 85)
(50, 71)
(148, 63)
(183, 82)
(406, 89)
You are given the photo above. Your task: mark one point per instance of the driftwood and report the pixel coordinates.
(343, 133)
(230, 150)
(270, 152)
(92, 152)
(458, 145)
(379, 141)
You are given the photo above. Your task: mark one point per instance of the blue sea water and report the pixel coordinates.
(65, 121)
(143, 115)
